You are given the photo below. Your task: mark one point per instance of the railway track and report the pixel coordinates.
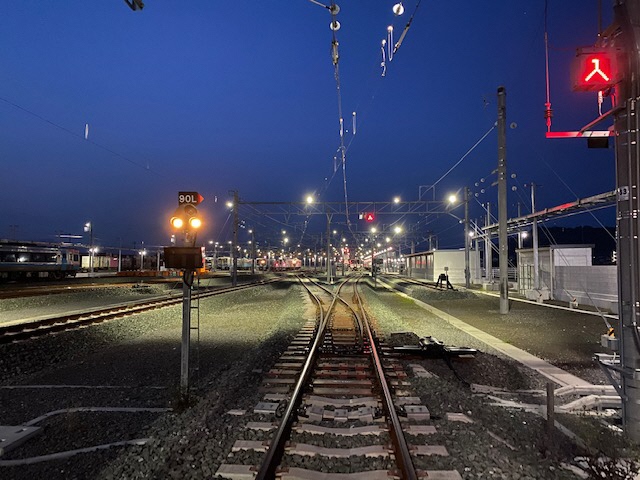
(346, 410)
(26, 329)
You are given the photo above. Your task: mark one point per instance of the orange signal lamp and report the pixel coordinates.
(176, 222)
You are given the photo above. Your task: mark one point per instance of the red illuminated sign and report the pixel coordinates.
(369, 217)
(594, 70)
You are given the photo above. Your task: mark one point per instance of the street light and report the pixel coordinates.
(467, 233)
(142, 254)
(88, 227)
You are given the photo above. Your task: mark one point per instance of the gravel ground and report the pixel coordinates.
(139, 360)
(241, 335)
(531, 454)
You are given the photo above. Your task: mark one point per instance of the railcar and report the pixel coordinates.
(37, 259)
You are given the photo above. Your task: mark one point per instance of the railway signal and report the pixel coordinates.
(594, 69)
(187, 217)
(187, 258)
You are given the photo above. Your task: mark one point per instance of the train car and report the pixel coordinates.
(37, 259)
(244, 263)
(223, 263)
(285, 264)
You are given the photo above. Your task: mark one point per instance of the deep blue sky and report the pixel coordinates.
(215, 96)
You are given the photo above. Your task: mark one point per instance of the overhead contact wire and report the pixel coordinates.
(82, 137)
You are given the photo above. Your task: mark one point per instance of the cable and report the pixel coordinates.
(431, 187)
(82, 137)
(574, 194)
(406, 30)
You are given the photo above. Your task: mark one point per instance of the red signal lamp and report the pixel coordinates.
(594, 70)
(369, 217)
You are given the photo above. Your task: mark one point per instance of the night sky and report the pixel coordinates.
(214, 96)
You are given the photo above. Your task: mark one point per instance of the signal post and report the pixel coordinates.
(611, 69)
(187, 258)
(627, 127)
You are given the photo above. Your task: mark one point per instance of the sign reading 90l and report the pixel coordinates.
(190, 198)
(594, 70)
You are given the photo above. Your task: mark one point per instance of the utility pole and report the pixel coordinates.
(253, 252)
(503, 239)
(627, 126)
(488, 249)
(234, 246)
(467, 273)
(534, 234)
(328, 247)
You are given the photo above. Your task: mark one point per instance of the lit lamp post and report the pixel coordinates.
(253, 252)
(373, 253)
(143, 252)
(88, 227)
(453, 199)
(398, 230)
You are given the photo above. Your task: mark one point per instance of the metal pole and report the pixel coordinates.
(467, 273)
(92, 253)
(534, 233)
(328, 247)
(550, 413)
(187, 281)
(502, 201)
(234, 247)
(627, 141)
(519, 232)
(488, 249)
(253, 253)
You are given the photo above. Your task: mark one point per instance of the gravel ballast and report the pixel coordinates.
(241, 336)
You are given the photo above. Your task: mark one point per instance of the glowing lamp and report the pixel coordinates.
(594, 70)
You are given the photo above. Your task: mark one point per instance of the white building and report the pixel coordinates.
(429, 265)
(566, 273)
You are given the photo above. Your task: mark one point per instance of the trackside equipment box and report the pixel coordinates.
(188, 258)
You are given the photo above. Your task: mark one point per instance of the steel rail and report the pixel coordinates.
(275, 452)
(401, 447)
(42, 326)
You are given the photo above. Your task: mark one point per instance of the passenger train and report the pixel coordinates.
(224, 263)
(37, 259)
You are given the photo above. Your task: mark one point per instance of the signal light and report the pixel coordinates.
(186, 216)
(594, 69)
(177, 222)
